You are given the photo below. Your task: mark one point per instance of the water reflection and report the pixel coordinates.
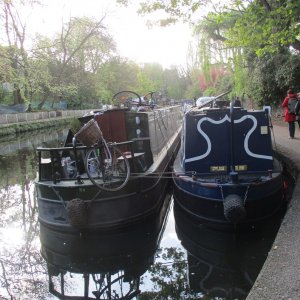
(223, 265)
(110, 264)
(32, 140)
(22, 269)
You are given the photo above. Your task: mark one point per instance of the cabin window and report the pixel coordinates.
(218, 168)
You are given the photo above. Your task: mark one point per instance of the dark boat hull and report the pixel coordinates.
(263, 203)
(141, 197)
(104, 251)
(109, 210)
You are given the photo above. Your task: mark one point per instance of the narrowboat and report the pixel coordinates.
(225, 174)
(102, 264)
(147, 135)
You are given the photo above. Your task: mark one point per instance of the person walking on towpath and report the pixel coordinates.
(297, 110)
(289, 104)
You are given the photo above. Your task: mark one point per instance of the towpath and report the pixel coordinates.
(280, 275)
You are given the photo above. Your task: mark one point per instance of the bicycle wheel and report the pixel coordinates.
(127, 98)
(108, 168)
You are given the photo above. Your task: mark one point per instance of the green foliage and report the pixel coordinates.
(71, 61)
(265, 29)
(192, 90)
(5, 95)
(243, 46)
(240, 74)
(268, 30)
(144, 83)
(173, 84)
(271, 76)
(7, 130)
(6, 69)
(75, 125)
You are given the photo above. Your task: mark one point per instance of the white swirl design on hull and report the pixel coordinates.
(226, 118)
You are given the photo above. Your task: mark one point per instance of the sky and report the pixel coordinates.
(166, 46)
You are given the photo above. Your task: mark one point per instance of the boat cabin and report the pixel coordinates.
(140, 135)
(220, 141)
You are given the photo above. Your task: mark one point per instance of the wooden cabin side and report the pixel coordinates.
(113, 125)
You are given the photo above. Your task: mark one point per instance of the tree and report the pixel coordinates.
(262, 25)
(116, 75)
(241, 36)
(174, 84)
(73, 59)
(16, 54)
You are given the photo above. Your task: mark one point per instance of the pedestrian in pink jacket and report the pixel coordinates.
(288, 116)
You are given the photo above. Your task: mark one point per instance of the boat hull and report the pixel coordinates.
(211, 211)
(106, 210)
(204, 202)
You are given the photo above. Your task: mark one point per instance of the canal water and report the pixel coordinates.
(164, 257)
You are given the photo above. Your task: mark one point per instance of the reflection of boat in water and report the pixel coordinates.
(30, 141)
(148, 138)
(225, 173)
(223, 264)
(101, 265)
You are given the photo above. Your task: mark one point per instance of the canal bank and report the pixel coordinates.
(12, 124)
(279, 277)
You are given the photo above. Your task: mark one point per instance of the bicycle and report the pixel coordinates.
(105, 164)
(130, 99)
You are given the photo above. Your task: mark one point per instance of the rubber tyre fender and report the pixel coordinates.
(234, 210)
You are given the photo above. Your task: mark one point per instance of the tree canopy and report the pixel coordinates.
(249, 47)
(241, 37)
(79, 65)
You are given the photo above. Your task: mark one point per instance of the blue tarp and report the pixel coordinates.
(12, 109)
(19, 108)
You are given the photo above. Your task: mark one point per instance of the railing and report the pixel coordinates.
(51, 166)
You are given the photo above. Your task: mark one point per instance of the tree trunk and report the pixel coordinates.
(17, 95)
(41, 104)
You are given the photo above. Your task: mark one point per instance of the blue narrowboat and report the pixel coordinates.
(225, 174)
